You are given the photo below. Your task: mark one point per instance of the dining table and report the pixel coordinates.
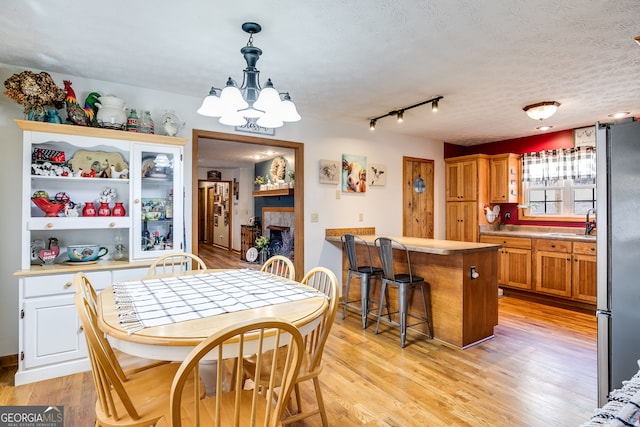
(165, 317)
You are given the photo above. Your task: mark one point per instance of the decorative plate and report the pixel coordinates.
(252, 254)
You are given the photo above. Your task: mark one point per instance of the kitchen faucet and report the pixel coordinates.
(589, 225)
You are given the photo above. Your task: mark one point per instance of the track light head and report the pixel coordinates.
(400, 116)
(434, 105)
(372, 124)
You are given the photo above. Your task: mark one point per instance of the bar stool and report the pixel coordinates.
(364, 272)
(404, 282)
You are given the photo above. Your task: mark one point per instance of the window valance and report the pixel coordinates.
(578, 164)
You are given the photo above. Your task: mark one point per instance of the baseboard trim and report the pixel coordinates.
(9, 361)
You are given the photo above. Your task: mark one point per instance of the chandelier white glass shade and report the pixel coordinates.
(251, 101)
(541, 110)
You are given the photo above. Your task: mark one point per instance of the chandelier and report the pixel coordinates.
(236, 106)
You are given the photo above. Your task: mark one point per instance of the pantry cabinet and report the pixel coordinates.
(73, 165)
(467, 191)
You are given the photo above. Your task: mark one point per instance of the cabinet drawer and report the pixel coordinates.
(57, 284)
(552, 245)
(584, 248)
(510, 242)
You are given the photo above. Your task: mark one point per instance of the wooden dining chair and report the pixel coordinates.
(280, 266)
(175, 263)
(325, 281)
(142, 399)
(259, 406)
(123, 364)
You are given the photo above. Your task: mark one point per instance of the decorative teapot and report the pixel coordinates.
(111, 113)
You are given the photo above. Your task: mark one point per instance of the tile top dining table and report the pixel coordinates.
(252, 294)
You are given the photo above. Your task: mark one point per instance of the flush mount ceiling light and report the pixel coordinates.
(399, 113)
(541, 110)
(619, 114)
(543, 128)
(236, 106)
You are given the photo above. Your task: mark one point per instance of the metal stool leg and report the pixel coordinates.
(402, 306)
(346, 295)
(382, 297)
(427, 303)
(364, 297)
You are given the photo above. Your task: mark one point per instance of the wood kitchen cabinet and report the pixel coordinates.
(504, 172)
(514, 260)
(552, 267)
(583, 272)
(467, 191)
(462, 221)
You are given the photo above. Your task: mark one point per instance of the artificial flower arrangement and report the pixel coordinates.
(262, 242)
(34, 91)
(260, 180)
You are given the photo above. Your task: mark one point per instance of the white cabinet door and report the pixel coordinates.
(54, 331)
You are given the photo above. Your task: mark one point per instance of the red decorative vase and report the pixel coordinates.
(89, 209)
(104, 209)
(118, 210)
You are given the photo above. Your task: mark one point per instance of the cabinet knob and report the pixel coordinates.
(136, 201)
(568, 259)
(67, 285)
(112, 224)
(49, 225)
(553, 246)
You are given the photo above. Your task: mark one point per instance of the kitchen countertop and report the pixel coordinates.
(430, 246)
(556, 233)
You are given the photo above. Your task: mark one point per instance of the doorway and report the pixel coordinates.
(417, 197)
(215, 217)
(199, 136)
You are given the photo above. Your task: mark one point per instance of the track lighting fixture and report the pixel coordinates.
(399, 114)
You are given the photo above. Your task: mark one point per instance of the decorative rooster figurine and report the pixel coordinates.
(78, 115)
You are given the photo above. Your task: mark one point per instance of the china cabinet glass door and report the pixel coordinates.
(157, 201)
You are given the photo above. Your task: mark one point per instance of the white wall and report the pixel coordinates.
(381, 206)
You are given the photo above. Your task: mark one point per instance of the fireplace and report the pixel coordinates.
(278, 225)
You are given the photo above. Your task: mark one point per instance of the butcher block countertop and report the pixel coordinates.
(430, 246)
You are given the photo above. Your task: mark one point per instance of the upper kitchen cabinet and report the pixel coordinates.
(462, 179)
(504, 178)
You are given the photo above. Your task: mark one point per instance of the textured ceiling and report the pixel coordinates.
(350, 60)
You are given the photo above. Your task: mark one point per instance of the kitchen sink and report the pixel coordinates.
(587, 236)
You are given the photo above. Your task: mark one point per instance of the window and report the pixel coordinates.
(559, 182)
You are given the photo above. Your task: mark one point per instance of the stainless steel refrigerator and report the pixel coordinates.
(618, 253)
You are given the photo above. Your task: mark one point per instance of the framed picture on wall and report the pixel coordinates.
(354, 173)
(377, 174)
(329, 172)
(584, 137)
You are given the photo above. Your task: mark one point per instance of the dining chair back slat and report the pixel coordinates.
(175, 263)
(279, 265)
(258, 406)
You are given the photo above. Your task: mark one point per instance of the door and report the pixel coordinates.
(417, 197)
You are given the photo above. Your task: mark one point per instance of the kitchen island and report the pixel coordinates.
(464, 309)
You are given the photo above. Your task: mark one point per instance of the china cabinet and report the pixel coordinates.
(88, 166)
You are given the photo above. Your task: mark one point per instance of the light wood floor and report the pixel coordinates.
(538, 370)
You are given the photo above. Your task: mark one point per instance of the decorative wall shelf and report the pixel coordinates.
(277, 192)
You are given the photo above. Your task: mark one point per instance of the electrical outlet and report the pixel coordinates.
(360, 217)
(338, 194)
(507, 215)
(314, 217)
